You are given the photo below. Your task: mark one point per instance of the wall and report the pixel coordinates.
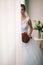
(35, 9)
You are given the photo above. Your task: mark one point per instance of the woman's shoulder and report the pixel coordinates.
(26, 19)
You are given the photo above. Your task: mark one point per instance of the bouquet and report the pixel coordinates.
(25, 37)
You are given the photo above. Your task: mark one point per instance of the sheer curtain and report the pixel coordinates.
(10, 48)
(7, 31)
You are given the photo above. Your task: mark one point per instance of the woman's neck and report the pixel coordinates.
(23, 16)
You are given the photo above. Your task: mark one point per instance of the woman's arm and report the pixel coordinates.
(31, 28)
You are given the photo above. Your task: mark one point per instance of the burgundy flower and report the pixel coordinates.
(25, 37)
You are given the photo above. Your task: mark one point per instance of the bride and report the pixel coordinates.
(31, 54)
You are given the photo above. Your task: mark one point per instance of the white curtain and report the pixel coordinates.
(7, 31)
(18, 31)
(10, 48)
(9, 35)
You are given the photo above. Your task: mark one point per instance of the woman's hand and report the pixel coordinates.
(29, 35)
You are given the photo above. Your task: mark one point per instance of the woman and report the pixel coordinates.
(32, 55)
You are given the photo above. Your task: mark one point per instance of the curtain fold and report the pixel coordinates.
(7, 32)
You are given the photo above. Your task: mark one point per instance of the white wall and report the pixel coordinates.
(35, 10)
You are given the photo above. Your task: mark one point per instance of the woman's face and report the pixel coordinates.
(22, 10)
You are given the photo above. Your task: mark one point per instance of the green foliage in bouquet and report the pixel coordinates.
(37, 25)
